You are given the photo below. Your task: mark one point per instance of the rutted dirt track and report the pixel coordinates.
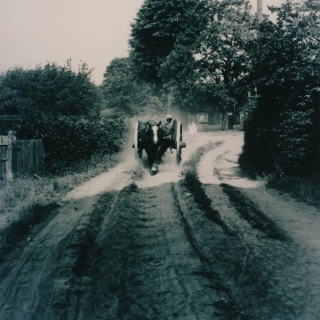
(123, 246)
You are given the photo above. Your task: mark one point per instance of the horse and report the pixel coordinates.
(150, 139)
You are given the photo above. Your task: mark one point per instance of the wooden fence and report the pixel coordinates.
(20, 157)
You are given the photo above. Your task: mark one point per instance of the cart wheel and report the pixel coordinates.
(137, 151)
(178, 142)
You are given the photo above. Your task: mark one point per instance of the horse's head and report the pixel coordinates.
(154, 131)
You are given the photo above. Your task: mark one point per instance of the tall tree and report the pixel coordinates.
(124, 92)
(209, 70)
(193, 48)
(159, 27)
(221, 62)
(51, 89)
(282, 132)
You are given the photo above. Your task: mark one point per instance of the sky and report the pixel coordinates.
(37, 32)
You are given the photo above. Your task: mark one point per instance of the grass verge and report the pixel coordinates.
(25, 202)
(305, 189)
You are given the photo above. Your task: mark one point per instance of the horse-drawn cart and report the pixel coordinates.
(148, 136)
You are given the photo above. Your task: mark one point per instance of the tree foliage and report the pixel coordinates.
(282, 132)
(70, 140)
(222, 62)
(51, 89)
(160, 26)
(125, 92)
(61, 107)
(200, 59)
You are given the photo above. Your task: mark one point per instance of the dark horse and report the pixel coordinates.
(150, 139)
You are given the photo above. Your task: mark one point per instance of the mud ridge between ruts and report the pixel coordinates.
(64, 288)
(204, 203)
(234, 255)
(195, 187)
(226, 305)
(249, 211)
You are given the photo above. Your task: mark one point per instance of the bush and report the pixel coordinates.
(62, 108)
(282, 132)
(71, 139)
(50, 89)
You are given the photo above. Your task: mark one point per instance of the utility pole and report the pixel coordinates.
(259, 11)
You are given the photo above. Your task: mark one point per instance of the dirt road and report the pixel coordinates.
(177, 245)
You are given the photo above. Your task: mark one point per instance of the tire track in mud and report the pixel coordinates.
(248, 211)
(153, 273)
(255, 289)
(19, 290)
(274, 278)
(204, 244)
(126, 258)
(222, 248)
(137, 257)
(274, 281)
(162, 252)
(70, 276)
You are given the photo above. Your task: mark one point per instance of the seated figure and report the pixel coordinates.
(167, 136)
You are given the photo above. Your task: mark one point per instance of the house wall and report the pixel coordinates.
(216, 121)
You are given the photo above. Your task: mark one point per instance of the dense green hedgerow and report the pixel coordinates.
(71, 139)
(62, 108)
(282, 133)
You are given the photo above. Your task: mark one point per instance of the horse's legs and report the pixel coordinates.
(150, 158)
(163, 148)
(153, 167)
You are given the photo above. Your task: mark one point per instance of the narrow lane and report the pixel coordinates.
(162, 248)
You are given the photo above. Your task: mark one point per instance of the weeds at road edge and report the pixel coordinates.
(302, 188)
(18, 230)
(25, 201)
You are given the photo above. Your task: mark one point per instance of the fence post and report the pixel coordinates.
(9, 156)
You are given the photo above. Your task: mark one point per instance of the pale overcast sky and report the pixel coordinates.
(93, 31)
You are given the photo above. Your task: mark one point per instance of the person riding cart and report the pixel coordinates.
(155, 138)
(168, 135)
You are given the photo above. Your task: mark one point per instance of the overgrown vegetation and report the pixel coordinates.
(126, 93)
(302, 188)
(52, 90)
(26, 202)
(70, 140)
(62, 108)
(282, 133)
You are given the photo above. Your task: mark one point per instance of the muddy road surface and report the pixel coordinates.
(199, 241)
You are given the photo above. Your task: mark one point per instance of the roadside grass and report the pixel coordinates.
(26, 201)
(305, 189)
